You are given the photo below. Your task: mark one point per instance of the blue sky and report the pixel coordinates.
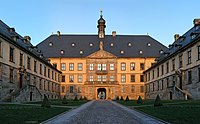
(161, 19)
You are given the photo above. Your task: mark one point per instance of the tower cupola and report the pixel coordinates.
(101, 26)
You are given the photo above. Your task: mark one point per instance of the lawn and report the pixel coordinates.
(173, 111)
(12, 114)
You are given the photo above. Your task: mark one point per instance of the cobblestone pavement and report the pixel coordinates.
(102, 112)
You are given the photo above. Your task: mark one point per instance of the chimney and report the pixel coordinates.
(196, 22)
(114, 33)
(27, 38)
(176, 37)
(58, 33)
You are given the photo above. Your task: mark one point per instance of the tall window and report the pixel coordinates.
(63, 89)
(80, 66)
(71, 78)
(29, 63)
(63, 78)
(123, 66)
(158, 85)
(63, 66)
(48, 86)
(40, 84)
(35, 66)
(132, 66)
(153, 74)
(104, 78)
(141, 78)
(52, 75)
(21, 59)
(91, 78)
(79, 78)
(45, 74)
(71, 66)
(98, 78)
(103, 66)
(167, 80)
(141, 66)
(111, 67)
(99, 67)
(40, 68)
(123, 78)
(158, 72)
(167, 67)
(132, 89)
(55, 65)
(11, 54)
(189, 77)
(173, 64)
(180, 61)
(198, 52)
(132, 78)
(162, 69)
(141, 89)
(48, 73)
(91, 67)
(71, 89)
(11, 75)
(189, 56)
(162, 85)
(111, 78)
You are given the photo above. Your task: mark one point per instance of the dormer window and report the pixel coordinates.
(129, 44)
(161, 51)
(62, 51)
(81, 52)
(197, 27)
(148, 44)
(111, 44)
(73, 44)
(50, 44)
(91, 44)
(122, 52)
(140, 52)
(193, 36)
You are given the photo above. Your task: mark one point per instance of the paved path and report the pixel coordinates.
(102, 112)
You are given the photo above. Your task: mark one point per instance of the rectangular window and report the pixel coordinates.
(198, 48)
(99, 67)
(79, 78)
(63, 89)
(11, 75)
(28, 79)
(141, 89)
(162, 69)
(123, 89)
(35, 66)
(11, 54)
(71, 89)
(40, 68)
(34, 80)
(48, 73)
(162, 85)
(173, 64)
(153, 74)
(173, 80)
(111, 78)
(63, 78)
(149, 76)
(71, 78)
(44, 85)
(141, 78)
(167, 67)
(79, 90)
(189, 56)
(132, 78)
(189, 77)
(29, 63)
(52, 75)
(132, 89)
(55, 65)
(98, 78)
(104, 67)
(158, 85)
(63, 66)
(80, 66)
(180, 61)
(104, 78)
(199, 74)
(45, 74)
(123, 78)
(123, 66)
(40, 84)
(48, 86)
(111, 67)
(91, 67)
(21, 60)
(158, 72)
(141, 66)
(132, 66)
(91, 78)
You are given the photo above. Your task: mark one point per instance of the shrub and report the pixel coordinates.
(85, 98)
(122, 98)
(127, 99)
(75, 98)
(139, 100)
(81, 98)
(158, 102)
(117, 98)
(64, 100)
(45, 102)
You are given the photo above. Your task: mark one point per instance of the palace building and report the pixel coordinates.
(176, 74)
(25, 75)
(101, 66)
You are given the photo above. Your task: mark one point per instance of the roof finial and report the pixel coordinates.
(101, 13)
(101, 45)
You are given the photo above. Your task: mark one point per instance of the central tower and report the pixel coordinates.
(101, 26)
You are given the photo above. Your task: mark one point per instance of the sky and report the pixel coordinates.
(160, 19)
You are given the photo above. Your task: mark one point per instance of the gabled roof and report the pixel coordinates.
(101, 54)
(124, 46)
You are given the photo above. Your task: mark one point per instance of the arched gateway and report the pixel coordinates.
(101, 93)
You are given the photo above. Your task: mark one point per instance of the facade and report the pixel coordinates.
(101, 66)
(25, 75)
(176, 74)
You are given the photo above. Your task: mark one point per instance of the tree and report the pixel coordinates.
(127, 99)
(139, 100)
(158, 102)
(117, 98)
(122, 98)
(45, 102)
(75, 98)
(64, 100)
(85, 98)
